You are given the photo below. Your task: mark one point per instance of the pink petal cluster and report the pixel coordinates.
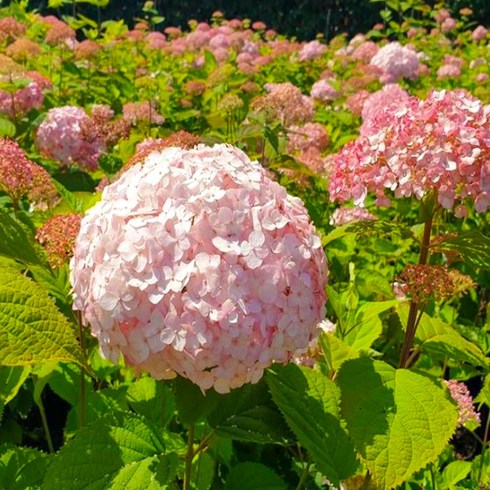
(441, 144)
(344, 215)
(60, 137)
(311, 135)
(461, 395)
(323, 90)
(479, 33)
(196, 263)
(144, 111)
(396, 61)
(311, 51)
(380, 107)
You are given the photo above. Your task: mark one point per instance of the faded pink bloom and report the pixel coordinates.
(311, 135)
(23, 49)
(60, 137)
(441, 15)
(482, 77)
(396, 61)
(344, 215)
(144, 111)
(448, 71)
(440, 144)
(15, 170)
(448, 25)
(365, 51)
(461, 395)
(312, 50)
(196, 263)
(323, 90)
(355, 102)
(313, 159)
(11, 28)
(87, 49)
(381, 106)
(58, 236)
(479, 33)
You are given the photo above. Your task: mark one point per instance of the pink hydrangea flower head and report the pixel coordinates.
(396, 61)
(448, 25)
(380, 107)
(311, 135)
(195, 262)
(15, 170)
(448, 71)
(438, 144)
(312, 50)
(461, 395)
(479, 33)
(60, 137)
(135, 112)
(355, 102)
(323, 90)
(365, 51)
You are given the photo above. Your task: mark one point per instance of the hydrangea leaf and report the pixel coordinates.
(12, 234)
(249, 414)
(438, 337)
(250, 476)
(309, 402)
(32, 329)
(152, 399)
(22, 467)
(366, 326)
(472, 246)
(110, 452)
(453, 473)
(203, 468)
(399, 420)
(336, 351)
(11, 379)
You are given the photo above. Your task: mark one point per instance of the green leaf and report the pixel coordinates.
(453, 473)
(11, 379)
(202, 472)
(309, 402)
(472, 246)
(249, 414)
(152, 399)
(192, 404)
(12, 234)
(336, 351)
(22, 467)
(438, 337)
(32, 329)
(250, 476)
(7, 128)
(399, 420)
(105, 453)
(484, 395)
(75, 204)
(367, 326)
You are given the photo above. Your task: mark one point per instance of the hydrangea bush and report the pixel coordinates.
(233, 259)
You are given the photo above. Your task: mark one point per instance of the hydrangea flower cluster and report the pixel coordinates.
(344, 215)
(323, 90)
(58, 236)
(461, 395)
(396, 61)
(309, 136)
(311, 51)
(441, 143)
(196, 263)
(60, 137)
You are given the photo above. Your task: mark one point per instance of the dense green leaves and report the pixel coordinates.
(11, 379)
(31, 327)
(248, 414)
(399, 420)
(309, 402)
(119, 451)
(250, 476)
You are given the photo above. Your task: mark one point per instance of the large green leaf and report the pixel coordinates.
(438, 337)
(366, 326)
(21, 467)
(32, 329)
(249, 414)
(119, 451)
(250, 476)
(14, 241)
(399, 420)
(336, 351)
(472, 246)
(309, 402)
(192, 404)
(11, 379)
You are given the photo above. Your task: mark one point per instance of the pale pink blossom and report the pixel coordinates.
(311, 135)
(440, 144)
(60, 137)
(324, 91)
(312, 50)
(396, 61)
(448, 71)
(461, 395)
(344, 215)
(196, 263)
(479, 33)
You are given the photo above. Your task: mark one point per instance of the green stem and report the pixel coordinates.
(44, 421)
(414, 305)
(484, 448)
(189, 457)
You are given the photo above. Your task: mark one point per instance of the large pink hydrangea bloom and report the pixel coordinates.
(441, 143)
(196, 263)
(396, 61)
(60, 137)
